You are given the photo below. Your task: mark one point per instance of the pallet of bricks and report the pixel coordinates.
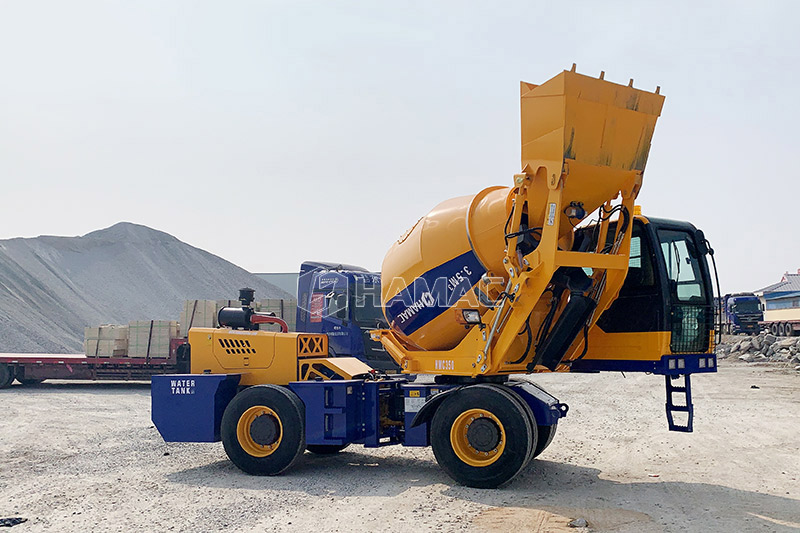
(285, 309)
(203, 313)
(151, 338)
(110, 340)
(198, 314)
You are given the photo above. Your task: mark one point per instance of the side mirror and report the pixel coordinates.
(702, 245)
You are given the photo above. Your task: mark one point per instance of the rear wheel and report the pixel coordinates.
(773, 328)
(263, 429)
(481, 436)
(326, 449)
(781, 329)
(6, 376)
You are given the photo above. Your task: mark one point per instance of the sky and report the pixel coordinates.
(270, 133)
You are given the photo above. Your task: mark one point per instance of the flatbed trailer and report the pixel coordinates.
(33, 368)
(781, 328)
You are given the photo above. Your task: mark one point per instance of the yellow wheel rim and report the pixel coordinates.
(245, 436)
(466, 451)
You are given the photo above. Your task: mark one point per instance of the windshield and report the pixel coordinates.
(683, 266)
(746, 306)
(367, 310)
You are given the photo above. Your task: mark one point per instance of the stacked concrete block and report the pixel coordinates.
(285, 309)
(151, 338)
(197, 314)
(110, 340)
(228, 303)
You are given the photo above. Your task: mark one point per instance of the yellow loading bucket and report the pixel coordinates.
(594, 133)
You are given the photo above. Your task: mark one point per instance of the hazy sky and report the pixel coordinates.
(273, 132)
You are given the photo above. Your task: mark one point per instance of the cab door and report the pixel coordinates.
(691, 314)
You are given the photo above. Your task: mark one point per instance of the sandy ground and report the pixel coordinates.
(80, 457)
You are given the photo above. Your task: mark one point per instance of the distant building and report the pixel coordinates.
(781, 300)
(283, 280)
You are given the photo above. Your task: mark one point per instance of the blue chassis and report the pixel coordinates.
(189, 408)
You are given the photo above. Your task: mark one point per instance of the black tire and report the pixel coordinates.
(326, 449)
(268, 416)
(27, 382)
(780, 329)
(30, 382)
(773, 328)
(504, 432)
(545, 436)
(6, 376)
(531, 419)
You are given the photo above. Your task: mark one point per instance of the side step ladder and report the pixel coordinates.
(685, 407)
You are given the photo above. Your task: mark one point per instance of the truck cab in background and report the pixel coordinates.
(343, 302)
(742, 312)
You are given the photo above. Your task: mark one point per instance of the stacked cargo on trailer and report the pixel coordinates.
(110, 340)
(151, 338)
(197, 314)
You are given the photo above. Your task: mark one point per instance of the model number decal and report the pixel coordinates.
(444, 364)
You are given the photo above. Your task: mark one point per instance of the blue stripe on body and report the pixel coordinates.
(433, 293)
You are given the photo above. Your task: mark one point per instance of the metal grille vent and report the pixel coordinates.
(236, 346)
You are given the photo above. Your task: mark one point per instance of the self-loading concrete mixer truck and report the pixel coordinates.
(554, 272)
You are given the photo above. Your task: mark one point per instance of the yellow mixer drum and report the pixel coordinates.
(444, 255)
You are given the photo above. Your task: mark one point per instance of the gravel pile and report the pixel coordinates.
(52, 287)
(761, 348)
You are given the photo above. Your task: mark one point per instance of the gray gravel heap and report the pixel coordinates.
(52, 287)
(764, 347)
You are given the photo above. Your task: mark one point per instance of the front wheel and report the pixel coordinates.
(263, 429)
(481, 436)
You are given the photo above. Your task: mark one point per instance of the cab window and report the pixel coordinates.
(337, 304)
(683, 266)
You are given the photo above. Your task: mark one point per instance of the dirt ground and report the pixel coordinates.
(79, 456)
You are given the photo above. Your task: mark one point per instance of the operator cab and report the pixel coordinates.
(667, 288)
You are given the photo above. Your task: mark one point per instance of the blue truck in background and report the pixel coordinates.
(742, 312)
(343, 302)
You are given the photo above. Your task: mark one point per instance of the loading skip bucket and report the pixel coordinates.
(594, 132)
